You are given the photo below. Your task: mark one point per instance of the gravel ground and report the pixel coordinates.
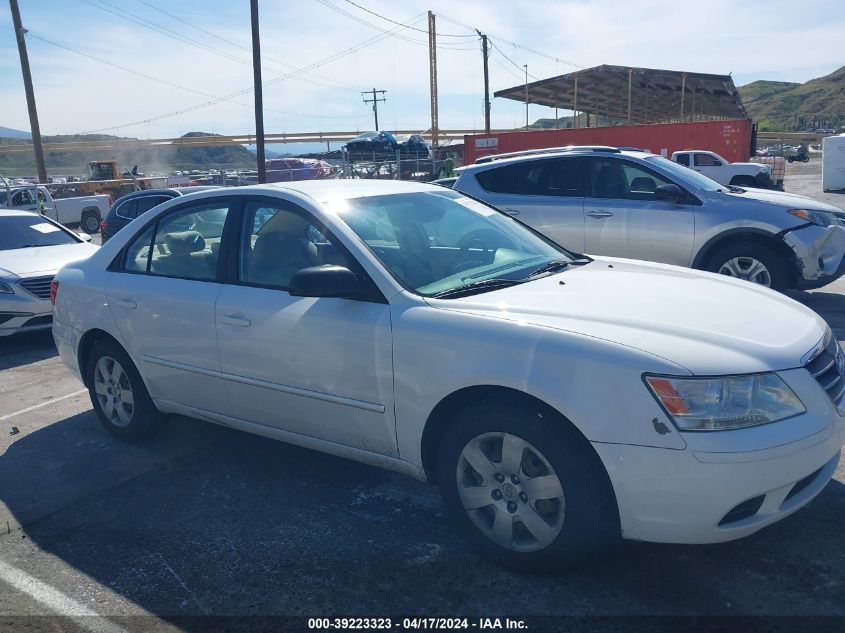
(205, 520)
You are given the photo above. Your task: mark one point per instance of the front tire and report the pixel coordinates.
(751, 262)
(118, 395)
(525, 487)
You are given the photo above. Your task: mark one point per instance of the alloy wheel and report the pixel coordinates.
(747, 268)
(114, 391)
(510, 491)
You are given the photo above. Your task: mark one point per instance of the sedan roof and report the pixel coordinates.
(322, 190)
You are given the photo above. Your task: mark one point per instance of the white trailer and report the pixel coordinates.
(833, 163)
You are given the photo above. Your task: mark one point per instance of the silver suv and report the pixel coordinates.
(633, 204)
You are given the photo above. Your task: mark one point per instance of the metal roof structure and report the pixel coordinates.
(625, 94)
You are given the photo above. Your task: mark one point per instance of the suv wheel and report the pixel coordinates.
(751, 262)
(118, 394)
(525, 487)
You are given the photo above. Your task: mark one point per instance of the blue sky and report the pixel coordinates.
(753, 39)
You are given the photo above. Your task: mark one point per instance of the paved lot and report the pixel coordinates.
(205, 520)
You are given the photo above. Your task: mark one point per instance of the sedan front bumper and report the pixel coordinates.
(728, 484)
(23, 312)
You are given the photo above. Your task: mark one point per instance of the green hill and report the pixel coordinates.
(784, 106)
(149, 159)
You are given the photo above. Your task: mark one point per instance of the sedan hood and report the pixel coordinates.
(26, 262)
(786, 200)
(707, 323)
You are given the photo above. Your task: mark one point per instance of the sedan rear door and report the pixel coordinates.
(545, 193)
(162, 295)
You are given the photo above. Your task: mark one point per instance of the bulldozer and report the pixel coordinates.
(104, 176)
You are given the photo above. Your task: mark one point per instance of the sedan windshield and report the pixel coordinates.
(436, 243)
(26, 231)
(685, 174)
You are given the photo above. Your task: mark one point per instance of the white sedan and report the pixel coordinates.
(558, 401)
(32, 249)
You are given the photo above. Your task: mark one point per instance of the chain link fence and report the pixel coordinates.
(82, 203)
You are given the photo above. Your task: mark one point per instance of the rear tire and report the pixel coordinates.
(90, 221)
(525, 487)
(752, 262)
(118, 395)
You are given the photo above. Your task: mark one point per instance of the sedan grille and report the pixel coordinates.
(38, 286)
(828, 367)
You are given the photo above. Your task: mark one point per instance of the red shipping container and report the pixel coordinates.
(730, 139)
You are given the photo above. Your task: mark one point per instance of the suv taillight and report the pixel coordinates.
(54, 290)
(104, 224)
(111, 200)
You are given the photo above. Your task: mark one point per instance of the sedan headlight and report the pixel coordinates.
(820, 218)
(725, 402)
(6, 289)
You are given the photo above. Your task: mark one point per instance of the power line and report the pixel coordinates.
(515, 65)
(514, 44)
(161, 30)
(317, 64)
(173, 85)
(505, 68)
(355, 18)
(240, 46)
(378, 15)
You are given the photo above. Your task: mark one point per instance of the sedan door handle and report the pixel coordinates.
(127, 304)
(599, 214)
(511, 211)
(235, 320)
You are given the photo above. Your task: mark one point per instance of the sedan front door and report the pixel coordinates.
(318, 367)
(624, 218)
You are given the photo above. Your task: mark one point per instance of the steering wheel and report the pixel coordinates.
(478, 239)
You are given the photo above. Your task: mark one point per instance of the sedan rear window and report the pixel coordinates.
(27, 231)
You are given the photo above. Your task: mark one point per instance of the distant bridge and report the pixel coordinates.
(237, 139)
(300, 137)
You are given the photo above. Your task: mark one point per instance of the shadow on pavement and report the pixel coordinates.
(205, 520)
(23, 349)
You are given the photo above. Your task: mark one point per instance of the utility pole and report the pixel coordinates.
(375, 101)
(259, 96)
(485, 53)
(20, 32)
(526, 94)
(432, 63)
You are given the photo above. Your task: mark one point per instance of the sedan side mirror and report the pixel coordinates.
(326, 281)
(670, 192)
(84, 237)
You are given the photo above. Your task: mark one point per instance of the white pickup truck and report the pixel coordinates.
(722, 171)
(85, 212)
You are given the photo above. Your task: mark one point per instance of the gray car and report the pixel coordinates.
(633, 204)
(32, 249)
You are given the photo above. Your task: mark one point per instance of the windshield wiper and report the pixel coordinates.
(735, 189)
(477, 287)
(559, 264)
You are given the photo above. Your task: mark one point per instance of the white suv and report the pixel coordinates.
(558, 401)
